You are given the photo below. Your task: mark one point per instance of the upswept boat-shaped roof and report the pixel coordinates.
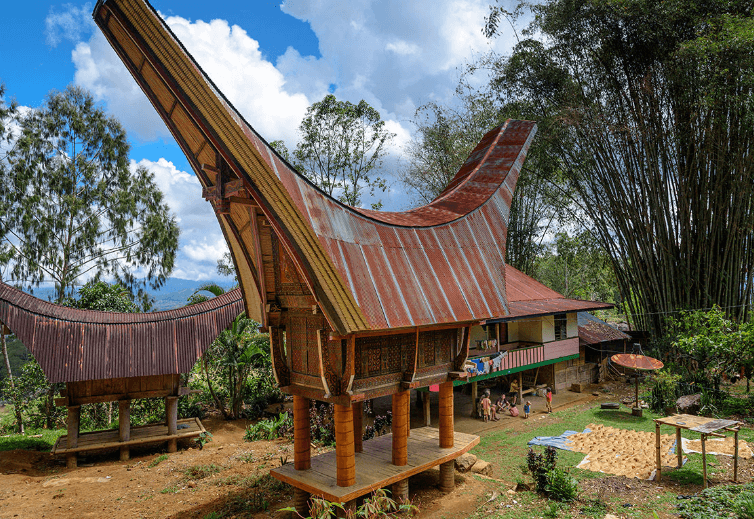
(367, 270)
(74, 345)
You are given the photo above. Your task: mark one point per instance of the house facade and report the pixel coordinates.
(537, 344)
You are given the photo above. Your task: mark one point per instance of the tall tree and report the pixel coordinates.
(656, 101)
(73, 207)
(342, 146)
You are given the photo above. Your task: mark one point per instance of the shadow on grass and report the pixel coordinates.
(622, 417)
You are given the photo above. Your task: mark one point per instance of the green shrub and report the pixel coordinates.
(719, 502)
(665, 391)
(561, 486)
(270, 428)
(539, 465)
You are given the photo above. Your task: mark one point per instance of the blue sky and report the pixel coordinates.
(272, 59)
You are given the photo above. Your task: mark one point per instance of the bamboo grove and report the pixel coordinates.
(648, 107)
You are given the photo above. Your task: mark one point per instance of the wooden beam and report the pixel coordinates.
(658, 451)
(72, 441)
(302, 445)
(679, 446)
(704, 459)
(124, 427)
(344, 447)
(321, 338)
(463, 353)
(411, 361)
(277, 355)
(349, 370)
(735, 456)
(171, 417)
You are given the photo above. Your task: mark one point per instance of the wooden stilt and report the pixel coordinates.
(302, 445)
(427, 414)
(474, 396)
(73, 421)
(400, 429)
(658, 452)
(520, 396)
(679, 446)
(447, 476)
(171, 415)
(446, 415)
(408, 413)
(400, 491)
(735, 456)
(349, 506)
(301, 502)
(358, 426)
(704, 459)
(344, 448)
(124, 427)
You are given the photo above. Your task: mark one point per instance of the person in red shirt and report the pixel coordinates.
(513, 410)
(548, 400)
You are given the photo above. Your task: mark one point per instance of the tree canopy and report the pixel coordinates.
(341, 147)
(647, 108)
(447, 134)
(73, 207)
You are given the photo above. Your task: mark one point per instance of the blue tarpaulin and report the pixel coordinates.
(559, 442)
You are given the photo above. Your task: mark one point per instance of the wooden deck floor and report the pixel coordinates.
(139, 435)
(374, 468)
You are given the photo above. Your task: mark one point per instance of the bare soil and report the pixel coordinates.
(228, 478)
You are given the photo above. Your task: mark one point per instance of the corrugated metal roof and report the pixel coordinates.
(441, 263)
(594, 331)
(74, 345)
(529, 298)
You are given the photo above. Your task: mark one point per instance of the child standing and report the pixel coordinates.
(486, 405)
(548, 399)
(527, 409)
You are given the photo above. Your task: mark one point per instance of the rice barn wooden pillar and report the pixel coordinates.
(427, 411)
(72, 440)
(400, 441)
(124, 427)
(358, 426)
(447, 469)
(345, 459)
(171, 416)
(302, 449)
(408, 413)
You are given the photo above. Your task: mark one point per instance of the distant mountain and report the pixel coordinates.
(173, 294)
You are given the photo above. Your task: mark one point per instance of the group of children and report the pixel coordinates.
(490, 410)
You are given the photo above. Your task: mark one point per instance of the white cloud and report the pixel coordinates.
(394, 54)
(201, 243)
(70, 24)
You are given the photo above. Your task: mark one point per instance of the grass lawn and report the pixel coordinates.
(506, 450)
(33, 439)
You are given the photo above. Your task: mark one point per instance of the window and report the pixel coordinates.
(561, 327)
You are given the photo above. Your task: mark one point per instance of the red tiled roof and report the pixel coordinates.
(74, 345)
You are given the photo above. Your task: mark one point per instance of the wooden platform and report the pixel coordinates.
(374, 468)
(140, 435)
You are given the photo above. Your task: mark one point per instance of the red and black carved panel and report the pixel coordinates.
(437, 347)
(382, 355)
(296, 338)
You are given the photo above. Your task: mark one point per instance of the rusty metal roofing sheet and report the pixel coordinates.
(594, 331)
(73, 345)
(390, 269)
(640, 362)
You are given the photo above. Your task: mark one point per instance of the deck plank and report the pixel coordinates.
(374, 468)
(154, 433)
